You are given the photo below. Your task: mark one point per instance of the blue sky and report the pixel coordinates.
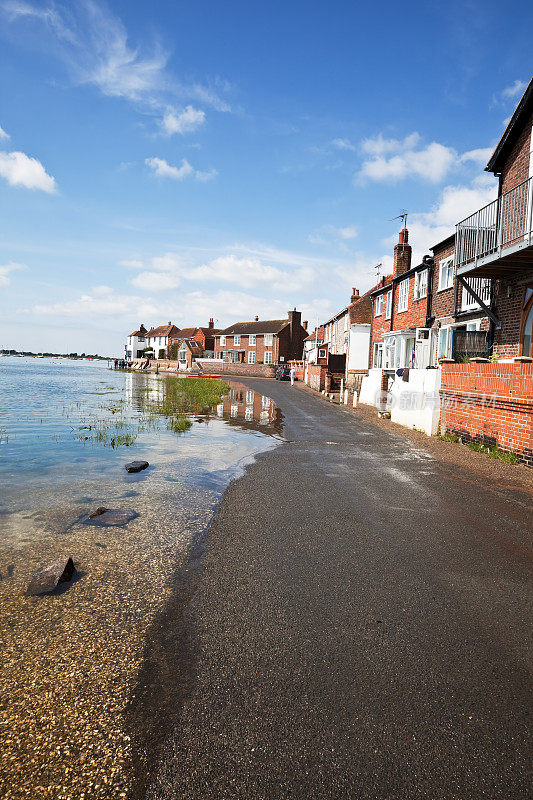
(177, 161)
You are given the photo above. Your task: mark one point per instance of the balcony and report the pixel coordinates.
(498, 239)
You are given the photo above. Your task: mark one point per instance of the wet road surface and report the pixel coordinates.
(359, 628)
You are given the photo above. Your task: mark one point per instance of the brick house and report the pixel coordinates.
(160, 338)
(493, 402)
(188, 351)
(315, 349)
(459, 326)
(271, 341)
(401, 312)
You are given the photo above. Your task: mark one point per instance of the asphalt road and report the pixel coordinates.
(359, 627)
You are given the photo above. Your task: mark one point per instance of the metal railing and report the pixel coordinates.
(506, 221)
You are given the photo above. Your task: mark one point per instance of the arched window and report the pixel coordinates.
(527, 331)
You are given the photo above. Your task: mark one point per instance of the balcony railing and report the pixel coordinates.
(482, 288)
(504, 223)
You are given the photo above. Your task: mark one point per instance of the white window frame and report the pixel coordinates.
(388, 306)
(421, 284)
(234, 410)
(268, 357)
(251, 340)
(444, 343)
(269, 339)
(378, 311)
(251, 356)
(482, 287)
(322, 352)
(222, 341)
(403, 295)
(265, 402)
(446, 273)
(237, 340)
(377, 361)
(250, 394)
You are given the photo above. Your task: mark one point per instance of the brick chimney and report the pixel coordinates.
(295, 321)
(355, 295)
(256, 318)
(305, 324)
(211, 323)
(402, 254)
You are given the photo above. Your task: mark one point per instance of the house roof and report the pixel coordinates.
(192, 344)
(312, 337)
(263, 326)
(164, 330)
(187, 333)
(361, 309)
(141, 332)
(512, 131)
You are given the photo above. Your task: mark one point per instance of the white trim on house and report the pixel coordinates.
(403, 295)
(446, 273)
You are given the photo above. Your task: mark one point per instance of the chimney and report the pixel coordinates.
(295, 321)
(256, 318)
(211, 323)
(355, 295)
(305, 324)
(402, 254)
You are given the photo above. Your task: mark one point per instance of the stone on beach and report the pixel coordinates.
(110, 517)
(136, 466)
(48, 578)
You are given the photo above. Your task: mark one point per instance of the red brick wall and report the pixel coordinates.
(490, 403)
(257, 370)
(380, 325)
(516, 167)
(316, 376)
(510, 298)
(415, 316)
(442, 303)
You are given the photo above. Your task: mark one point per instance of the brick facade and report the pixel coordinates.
(246, 342)
(511, 300)
(490, 403)
(516, 167)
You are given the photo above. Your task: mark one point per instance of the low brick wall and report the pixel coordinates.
(490, 403)
(250, 370)
(316, 376)
(298, 369)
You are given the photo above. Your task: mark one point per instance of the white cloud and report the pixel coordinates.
(165, 170)
(155, 281)
(6, 270)
(514, 90)
(3, 134)
(454, 204)
(391, 160)
(343, 144)
(95, 47)
(104, 302)
(431, 163)
(479, 156)
(182, 122)
(329, 233)
(18, 169)
(168, 271)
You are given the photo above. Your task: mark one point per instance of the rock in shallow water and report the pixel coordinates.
(136, 466)
(110, 517)
(48, 578)
(100, 510)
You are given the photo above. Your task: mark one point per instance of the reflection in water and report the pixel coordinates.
(251, 409)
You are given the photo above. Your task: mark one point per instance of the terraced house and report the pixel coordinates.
(271, 341)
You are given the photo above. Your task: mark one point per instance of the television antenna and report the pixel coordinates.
(403, 216)
(378, 269)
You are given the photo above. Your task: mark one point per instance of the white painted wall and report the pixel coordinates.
(416, 403)
(132, 346)
(370, 393)
(358, 344)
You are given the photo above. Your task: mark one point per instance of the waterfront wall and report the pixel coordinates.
(216, 366)
(490, 403)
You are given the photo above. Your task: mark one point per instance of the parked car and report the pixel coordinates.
(283, 373)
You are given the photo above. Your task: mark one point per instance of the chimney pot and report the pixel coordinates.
(256, 318)
(305, 324)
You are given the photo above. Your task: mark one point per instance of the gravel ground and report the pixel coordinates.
(359, 627)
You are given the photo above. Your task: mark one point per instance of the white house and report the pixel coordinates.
(159, 339)
(135, 344)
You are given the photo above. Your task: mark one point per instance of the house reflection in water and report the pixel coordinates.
(246, 405)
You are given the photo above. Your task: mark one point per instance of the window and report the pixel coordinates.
(445, 342)
(236, 341)
(527, 334)
(379, 305)
(421, 284)
(249, 414)
(322, 353)
(378, 355)
(269, 339)
(481, 286)
(265, 401)
(249, 396)
(446, 273)
(251, 340)
(220, 409)
(389, 304)
(234, 357)
(268, 357)
(182, 356)
(222, 341)
(234, 411)
(403, 295)
(251, 356)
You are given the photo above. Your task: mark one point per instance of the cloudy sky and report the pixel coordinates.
(176, 160)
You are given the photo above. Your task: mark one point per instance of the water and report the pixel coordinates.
(69, 662)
